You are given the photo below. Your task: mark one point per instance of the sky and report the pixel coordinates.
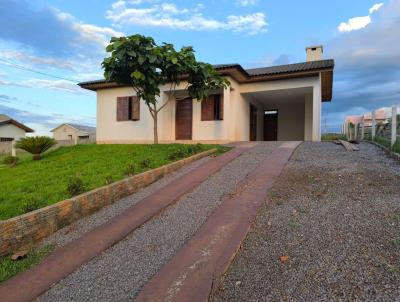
(47, 47)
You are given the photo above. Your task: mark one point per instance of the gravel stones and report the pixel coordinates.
(120, 272)
(335, 215)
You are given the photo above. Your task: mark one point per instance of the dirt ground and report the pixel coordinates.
(330, 230)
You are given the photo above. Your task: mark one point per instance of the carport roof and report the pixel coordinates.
(241, 75)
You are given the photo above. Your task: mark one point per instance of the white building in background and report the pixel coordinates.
(12, 130)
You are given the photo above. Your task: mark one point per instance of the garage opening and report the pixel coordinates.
(270, 125)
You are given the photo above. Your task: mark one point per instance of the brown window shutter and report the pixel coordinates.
(122, 109)
(219, 99)
(207, 108)
(135, 105)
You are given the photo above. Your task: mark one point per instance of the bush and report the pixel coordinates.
(36, 145)
(146, 163)
(130, 169)
(396, 147)
(109, 179)
(75, 186)
(177, 154)
(10, 160)
(29, 205)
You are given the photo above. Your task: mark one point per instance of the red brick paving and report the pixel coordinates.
(192, 273)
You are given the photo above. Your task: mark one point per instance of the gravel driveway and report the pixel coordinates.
(334, 216)
(120, 272)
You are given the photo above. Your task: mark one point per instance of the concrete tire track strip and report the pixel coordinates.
(196, 269)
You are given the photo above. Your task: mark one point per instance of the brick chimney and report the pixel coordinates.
(314, 53)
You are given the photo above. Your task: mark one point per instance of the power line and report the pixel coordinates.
(11, 64)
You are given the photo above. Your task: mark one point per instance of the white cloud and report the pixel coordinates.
(88, 33)
(57, 85)
(375, 8)
(246, 2)
(170, 16)
(31, 60)
(358, 23)
(354, 24)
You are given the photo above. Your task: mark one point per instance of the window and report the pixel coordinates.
(270, 112)
(212, 108)
(128, 108)
(6, 139)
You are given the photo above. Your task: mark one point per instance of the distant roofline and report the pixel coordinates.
(241, 75)
(72, 126)
(17, 124)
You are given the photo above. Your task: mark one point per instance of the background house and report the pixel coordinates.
(74, 132)
(11, 129)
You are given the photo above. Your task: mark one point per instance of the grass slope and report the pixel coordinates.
(10, 268)
(35, 184)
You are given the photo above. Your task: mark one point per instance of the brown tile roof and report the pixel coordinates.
(242, 75)
(5, 119)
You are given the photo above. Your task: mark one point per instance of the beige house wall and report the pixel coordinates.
(11, 131)
(66, 132)
(234, 126)
(63, 133)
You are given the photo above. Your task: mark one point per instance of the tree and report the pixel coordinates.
(36, 145)
(137, 61)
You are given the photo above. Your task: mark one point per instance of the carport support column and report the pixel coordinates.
(308, 117)
(316, 113)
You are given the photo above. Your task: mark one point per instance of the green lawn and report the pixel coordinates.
(386, 143)
(35, 184)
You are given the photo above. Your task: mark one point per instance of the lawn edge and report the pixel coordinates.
(392, 154)
(26, 231)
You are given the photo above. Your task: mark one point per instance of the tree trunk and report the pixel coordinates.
(36, 156)
(155, 127)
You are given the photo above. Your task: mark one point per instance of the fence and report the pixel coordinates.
(8, 148)
(80, 141)
(385, 131)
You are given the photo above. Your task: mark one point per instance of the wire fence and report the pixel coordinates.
(384, 131)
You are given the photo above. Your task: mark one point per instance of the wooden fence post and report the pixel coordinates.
(373, 125)
(394, 126)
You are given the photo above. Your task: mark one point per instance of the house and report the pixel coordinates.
(12, 130)
(271, 103)
(73, 132)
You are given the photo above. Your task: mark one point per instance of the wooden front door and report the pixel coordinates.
(253, 123)
(183, 119)
(271, 125)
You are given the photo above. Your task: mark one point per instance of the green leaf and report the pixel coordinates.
(141, 60)
(131, 53)
(137, 74)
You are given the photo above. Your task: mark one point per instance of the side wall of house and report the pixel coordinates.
(109, 130)
(11, 131)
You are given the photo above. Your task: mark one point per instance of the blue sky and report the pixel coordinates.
(66, 39)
